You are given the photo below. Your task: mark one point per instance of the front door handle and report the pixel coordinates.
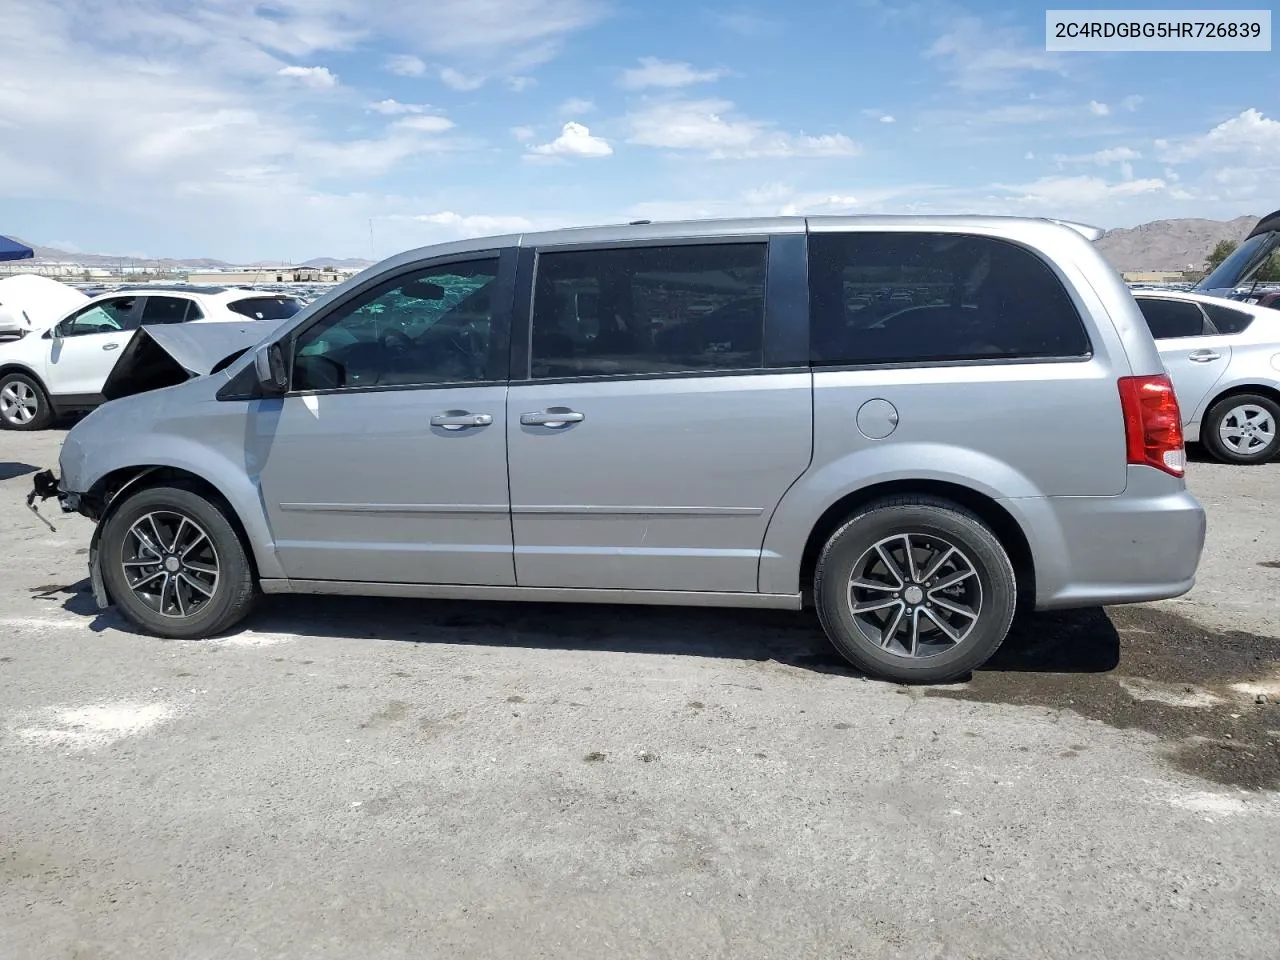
(460, 421)
(111, 346)
(1203, 356)
(552, 418)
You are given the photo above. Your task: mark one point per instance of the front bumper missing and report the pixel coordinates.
(44, 486)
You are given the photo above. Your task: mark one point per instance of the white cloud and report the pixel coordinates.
(520, 84)
(743, 23)
(523, 134)
(392, 108)
(476, 224)
(456, 80)
(888, 118)
(706, 126)
(653, 72)
(1074, 192)
(1131, 102)
(575, 140)
(1101, 158)
(406, 65)
(981, 57)
(1030, 155)
(576, 107)
(1099, 109)
(424, 124)
(318, 78)
(1249, 135)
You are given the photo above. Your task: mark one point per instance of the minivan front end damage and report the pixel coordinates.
(155, 357)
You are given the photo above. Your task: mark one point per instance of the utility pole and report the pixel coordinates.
(372, 255)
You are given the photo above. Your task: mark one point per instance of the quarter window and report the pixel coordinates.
(107, 316)
(1170, 319)
(430, 326)
(169, 310)
(924, 297)
(649, 310)
(1228, 320)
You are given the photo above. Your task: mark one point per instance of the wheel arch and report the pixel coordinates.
(13, 366)
(107, 493)
(1002, 523)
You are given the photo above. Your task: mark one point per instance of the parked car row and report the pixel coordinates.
(62, 367)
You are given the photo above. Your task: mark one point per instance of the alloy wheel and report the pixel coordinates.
(915, 595)
(19, 403)
(1247, 429)
(170, 563)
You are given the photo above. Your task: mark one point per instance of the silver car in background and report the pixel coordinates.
(916, 424)
(1224, 359)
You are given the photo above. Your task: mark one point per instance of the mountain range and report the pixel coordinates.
(1160, 245)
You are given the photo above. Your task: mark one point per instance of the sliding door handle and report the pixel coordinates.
(552, 418)
(460, 421)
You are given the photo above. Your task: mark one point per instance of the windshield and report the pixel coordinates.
(1241, 265)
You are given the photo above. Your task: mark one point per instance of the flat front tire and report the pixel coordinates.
(915, 590)
(174, 564)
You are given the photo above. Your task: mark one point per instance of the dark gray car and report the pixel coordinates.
(918, 424)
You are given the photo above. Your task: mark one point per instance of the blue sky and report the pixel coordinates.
(287, 129)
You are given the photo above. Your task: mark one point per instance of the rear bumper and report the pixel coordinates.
(1089, 551)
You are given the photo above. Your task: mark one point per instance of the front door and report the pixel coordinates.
(1194, 356)
(649, 446)
(88, 344)
(387, 460)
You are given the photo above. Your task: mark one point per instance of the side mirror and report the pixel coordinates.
(57, 332)
(272, 371)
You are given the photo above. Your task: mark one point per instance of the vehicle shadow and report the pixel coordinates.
(1082, 641)
(10, 469)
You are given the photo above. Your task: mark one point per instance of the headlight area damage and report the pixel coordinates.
(154, 358)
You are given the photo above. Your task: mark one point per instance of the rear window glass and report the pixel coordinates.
(1228, 320)
(924, 297)
(1170, 319)
(266, 308)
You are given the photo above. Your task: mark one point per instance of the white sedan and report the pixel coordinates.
(1223, 357)
(63, 368)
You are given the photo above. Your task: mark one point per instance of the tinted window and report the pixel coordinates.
(430, 326)
(1226, 319)
(167, 310)
(107, 316)
(649, 310)
(885, 297)
(1171, 318)
(266, 308)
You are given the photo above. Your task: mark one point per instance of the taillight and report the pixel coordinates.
(1153, 423)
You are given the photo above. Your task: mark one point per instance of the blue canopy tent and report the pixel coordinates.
(13, 250)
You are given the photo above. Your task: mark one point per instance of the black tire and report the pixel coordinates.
(1211, 436)
(933, 522)
(233, 590)
(26, 386)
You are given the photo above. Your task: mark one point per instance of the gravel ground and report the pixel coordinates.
(415, 780)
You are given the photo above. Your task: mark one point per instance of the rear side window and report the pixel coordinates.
(1228, 320)
(648, 310)
(1170, 319)
(169, 310)
(925, 297)
(266, 308)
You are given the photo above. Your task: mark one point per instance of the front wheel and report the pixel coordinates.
(23, 403)
(1242, 429)
(174, 565)
(915, 590)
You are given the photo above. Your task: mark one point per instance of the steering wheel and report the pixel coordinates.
(396, 340)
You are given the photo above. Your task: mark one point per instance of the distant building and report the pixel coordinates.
(258, 275)
(1161, 276)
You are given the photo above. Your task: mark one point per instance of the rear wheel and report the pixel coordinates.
(174, 564)
(915, 590)
(1243, 428)
(23, 403)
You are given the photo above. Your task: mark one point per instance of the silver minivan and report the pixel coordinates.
(919, 425)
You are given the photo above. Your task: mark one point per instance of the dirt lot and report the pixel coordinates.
(351, 778)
